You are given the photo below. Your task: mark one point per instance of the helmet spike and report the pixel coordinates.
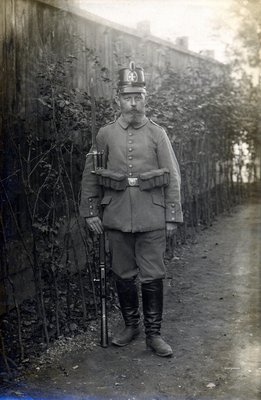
(132, 66)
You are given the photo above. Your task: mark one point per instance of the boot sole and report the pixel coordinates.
(169, 354)
(115, 343)
(166, 354)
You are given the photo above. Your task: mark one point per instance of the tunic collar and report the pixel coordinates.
(125, 124)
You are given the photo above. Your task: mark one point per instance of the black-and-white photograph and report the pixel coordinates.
(130, 207)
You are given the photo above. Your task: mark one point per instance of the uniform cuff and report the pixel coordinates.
(174, 212)
(90, 208)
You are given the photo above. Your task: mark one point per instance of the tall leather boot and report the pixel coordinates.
(129, 303)
(152, 296)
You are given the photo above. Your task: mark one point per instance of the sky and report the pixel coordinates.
(207, 23)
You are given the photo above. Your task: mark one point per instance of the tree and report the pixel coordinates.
(246, 60)
(248, 16)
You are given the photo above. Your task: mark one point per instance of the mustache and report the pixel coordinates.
(134, 117)
(135, 112)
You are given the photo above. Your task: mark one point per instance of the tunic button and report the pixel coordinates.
(91, 206)
(130, 133)
(172, 205)
(90, 200)
(172, 212)
(130, 165)
(91, 213)
(130, 173)
(172, 219)
(130, 141)
(130, 148)
(130, 157)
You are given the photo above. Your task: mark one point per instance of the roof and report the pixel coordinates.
(76, 10)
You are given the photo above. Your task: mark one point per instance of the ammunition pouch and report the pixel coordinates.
(154, 178)
(111, 180)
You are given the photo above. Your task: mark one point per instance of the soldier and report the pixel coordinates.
(141, 206)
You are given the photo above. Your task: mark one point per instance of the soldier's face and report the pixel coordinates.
(132, 106)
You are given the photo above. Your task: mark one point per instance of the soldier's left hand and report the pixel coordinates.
(171, 228)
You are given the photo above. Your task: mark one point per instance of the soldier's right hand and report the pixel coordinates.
(94, 224)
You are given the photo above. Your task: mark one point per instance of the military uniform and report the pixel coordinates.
(141, 192)
(143, 153)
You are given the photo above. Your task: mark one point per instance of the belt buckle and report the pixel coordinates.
(133, 181)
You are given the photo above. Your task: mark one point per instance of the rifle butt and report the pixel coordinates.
(104, 325)
(103, 294)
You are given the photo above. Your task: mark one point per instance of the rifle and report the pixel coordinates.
(97, 166)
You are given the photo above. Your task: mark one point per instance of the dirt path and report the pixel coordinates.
(212, 321)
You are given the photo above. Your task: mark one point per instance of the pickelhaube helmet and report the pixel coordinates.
(131, 79)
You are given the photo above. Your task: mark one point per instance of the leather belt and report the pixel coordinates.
(133, 182)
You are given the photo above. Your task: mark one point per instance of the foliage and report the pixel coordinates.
(248, 16)
(206, 115)
(245, 64)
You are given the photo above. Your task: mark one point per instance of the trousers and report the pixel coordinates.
(139, 253)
